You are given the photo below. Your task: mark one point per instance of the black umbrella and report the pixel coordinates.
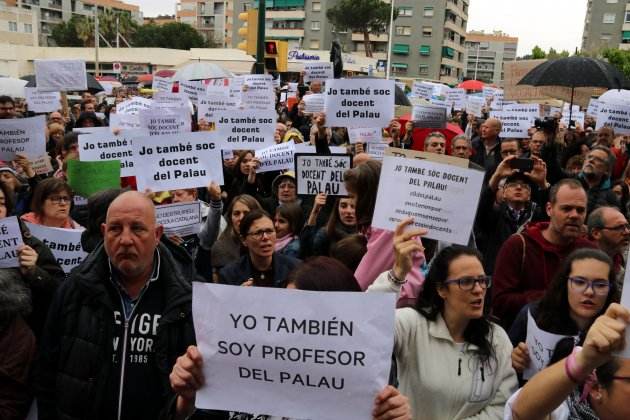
(399, 95)
(93, 85)
(575, 72)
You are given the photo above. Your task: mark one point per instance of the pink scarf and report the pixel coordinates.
(284, 241)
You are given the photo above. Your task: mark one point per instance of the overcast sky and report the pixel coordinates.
(547, 23)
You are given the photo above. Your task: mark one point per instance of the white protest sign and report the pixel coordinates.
(577, 117)
(566, 106)
(65, 244)
(365, 135)
(311, 149)
(39, 101)
(208, 105)
(123, 122)
(422, 90)
(293, 88)
(60, 75)
(91, 130)
(192, 89)
(318, 71)
(488, 93)
(430, 192)
(516, 120)
(615, 116)
(258, 99)
(359, 102)
(437, 102)
(541, 345)
(99, 146)
(593, 107)
(497, 99)
(428, 116)
(283, 97)
(246, 129)
(170, 100)
(42, 165)
(10, 240)
(181, 219)
(185, 160)
(227, 154)
(321, 173)
(276, 82)
(474, 105)
(554, 110)
(219, 86)
(377, 150)
(281, 345)
(276, 158)
(134, 105)
(164, 84)
(173, 121)
(22, 135)
(261, 82)
(314, 103)
(456, 98)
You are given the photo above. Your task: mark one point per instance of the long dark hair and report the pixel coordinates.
(363, 182)
(338, 278)
(332, 226)
(430, 304)
(293, 214)
(553, 313)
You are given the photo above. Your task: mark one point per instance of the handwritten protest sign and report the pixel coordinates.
(181, 219)
(318, 71)
(60, 75)
(246, 129)
(169, 101)
(86, 178)
(42, 164)
(95, 147)
(431, 193)
(365, 135)
(321, 173)
(208, 105)
(123, 122)
(488, 92)
(456, 98)
(615, 116)
(541, 345)
(39, 101)
(192, 89)
(258, 99)
(134, 105)
(516, 120)
(185, 160)
(323, 368)
(162, 83)
(65, 244)
(22, 135)
(167, 122)
(428, 116)
(377, 150)
(311, 149)
(422, 89)
(576, 117)
(276, 158)
(359, 102)
(474, 105)
(314, 103)
(593, 107)
(11, 239)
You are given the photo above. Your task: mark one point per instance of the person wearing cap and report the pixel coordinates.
(522, 197)
(284, 187)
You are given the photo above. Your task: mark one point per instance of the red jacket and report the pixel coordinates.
(517, 280)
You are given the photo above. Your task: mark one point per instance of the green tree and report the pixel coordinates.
(618, 58)
(65, 34)
(85, 30)
(363, 16)
(538, 53)
(172, 35)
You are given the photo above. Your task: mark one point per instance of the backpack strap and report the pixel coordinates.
(524, 247)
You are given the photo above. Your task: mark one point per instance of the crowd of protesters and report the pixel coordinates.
(549, 242)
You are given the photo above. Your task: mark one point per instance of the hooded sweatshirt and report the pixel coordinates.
(522, 274)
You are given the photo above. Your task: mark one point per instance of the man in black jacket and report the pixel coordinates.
(118, 324)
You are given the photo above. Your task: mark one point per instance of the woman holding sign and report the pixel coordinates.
(581, 291)
(453, 363)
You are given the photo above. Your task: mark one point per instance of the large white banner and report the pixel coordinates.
(39, 101)
(65, 244)
(615, 116)
(359, 102)
(276, 158)
(107, 146)
(328, 354)
(186, 160)
(430, 192)
(318, 71)
(22, 135)
(10, 240)
(246, 129)
(181, 219)
(60, 75)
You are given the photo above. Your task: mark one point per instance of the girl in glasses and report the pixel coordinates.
(581, 291)
(452, 362)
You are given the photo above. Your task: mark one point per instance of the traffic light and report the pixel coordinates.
(249, 31)
(276, 55)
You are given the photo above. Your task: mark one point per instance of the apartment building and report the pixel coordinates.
(486, 55)
(213, 19)
(18, 26)
(606, 25)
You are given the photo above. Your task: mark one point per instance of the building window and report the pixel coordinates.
(428, 11)
(606, 37)
(627, 16)
(425, 50)
(12, 26)
(315, 25)
(403, 30)
(427, 31)
(423, 70)
(609, 18)
(401, 49)
(612, 1)
(314, 44)
(399, 68)
(317, 6)
(405, 11)
(28, 28)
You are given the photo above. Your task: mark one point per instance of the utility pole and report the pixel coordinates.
(389, 41)
(96, 41)
(117, 32)
(477, 60)
(259, 67)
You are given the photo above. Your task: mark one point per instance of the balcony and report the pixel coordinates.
(284, 33)
(451, 63)
(356, 36)
(452, 44)
(456, 8)
(284, 14)
(453, 26)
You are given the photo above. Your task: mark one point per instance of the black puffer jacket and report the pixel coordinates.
(75, 375)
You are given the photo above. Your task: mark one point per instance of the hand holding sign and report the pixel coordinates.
(186, 378)
(606, 335)
(520, 357)
(27, 257)
(406, 244)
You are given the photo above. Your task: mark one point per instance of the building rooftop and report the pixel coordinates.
(496, 36)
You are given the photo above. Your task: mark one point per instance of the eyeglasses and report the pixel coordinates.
(620, 228)
(515, 184)
(581, 284)
(468, 283)
(58, 199)
(262, 232)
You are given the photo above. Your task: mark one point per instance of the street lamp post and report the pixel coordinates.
(389, 41)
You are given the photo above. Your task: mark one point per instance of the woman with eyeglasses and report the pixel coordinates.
(452, 362)
(581, 291)
(51, 204)
(262, 265)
